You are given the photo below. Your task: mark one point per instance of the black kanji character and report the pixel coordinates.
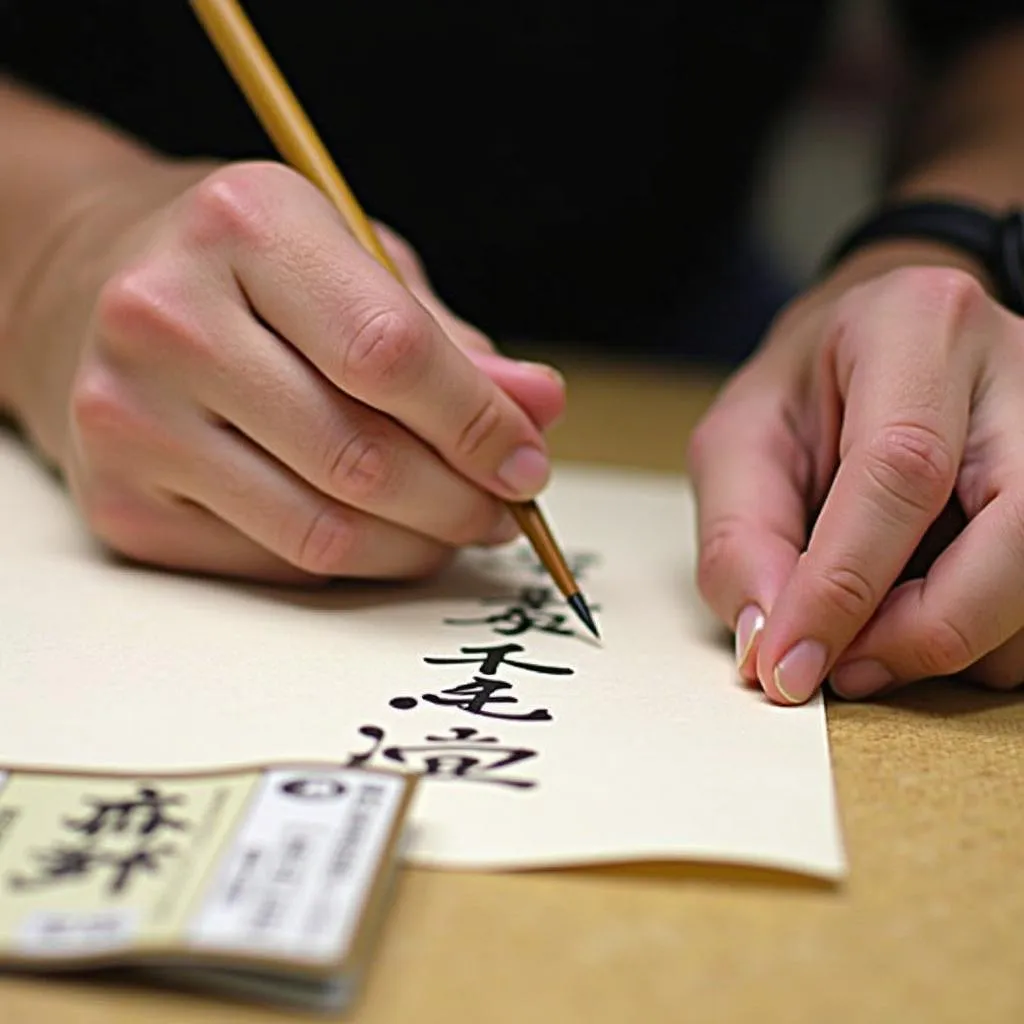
(465, 755)
(528, 610)
(144, 858)
(494, 657)
(64, 863)
(57, 864)
(475, 696)
(119, 815)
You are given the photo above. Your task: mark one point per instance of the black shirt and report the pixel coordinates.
(566, 168)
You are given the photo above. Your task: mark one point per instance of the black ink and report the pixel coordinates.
(119, 815)
(101, 842)
(58, 863)
(464, 755)
(495, 656)
(68, 863)
(475, 696)
(141, 859)
(528, 610)
(313, 788)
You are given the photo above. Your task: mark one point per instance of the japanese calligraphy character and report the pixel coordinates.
(528, 610)
(142, 858)
(464, 755)
(116, 835)
(494, 657)
(146, 810)
(63, 863)
(58, 863)
(475, 696)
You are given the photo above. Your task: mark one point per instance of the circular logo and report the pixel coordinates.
(313, 788)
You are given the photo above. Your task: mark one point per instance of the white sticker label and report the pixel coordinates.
(296, 876)
(60, 933)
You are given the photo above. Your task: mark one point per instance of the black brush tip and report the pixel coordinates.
(579, 605)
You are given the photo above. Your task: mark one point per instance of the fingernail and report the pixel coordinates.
(748, 628)
(525, 471)
(859, 678)
(506, 530)
(799, 671)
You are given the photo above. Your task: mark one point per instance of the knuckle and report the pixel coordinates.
(912, 466)
(485, 424)
(231, 205)
(110, 425)
(363, 468)
(945, 648)
(386, 349)
(142, 307)
(324, 544)
(131, 302)
(847, 588)
(947, 291)
(98, 407)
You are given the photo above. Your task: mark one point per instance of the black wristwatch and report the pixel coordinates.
(997, 242)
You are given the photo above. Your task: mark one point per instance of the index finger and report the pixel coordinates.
(904, 373)
(315, 286)
(751, 472)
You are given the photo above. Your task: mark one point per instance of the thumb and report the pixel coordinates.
(537, 388)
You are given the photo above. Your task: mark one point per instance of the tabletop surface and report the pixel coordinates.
(929, 927)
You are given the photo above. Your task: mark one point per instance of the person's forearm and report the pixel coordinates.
(966, 137)
(68, 186)
(51, 161)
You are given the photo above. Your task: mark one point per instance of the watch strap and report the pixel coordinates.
(997, 242)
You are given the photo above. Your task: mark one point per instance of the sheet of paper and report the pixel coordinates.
(540, 746)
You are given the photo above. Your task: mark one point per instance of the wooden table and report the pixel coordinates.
(929, 927)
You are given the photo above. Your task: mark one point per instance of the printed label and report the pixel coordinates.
(300, 867)
(253, 866)
(52, 933)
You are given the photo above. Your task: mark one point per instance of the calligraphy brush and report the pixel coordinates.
(278, 110)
